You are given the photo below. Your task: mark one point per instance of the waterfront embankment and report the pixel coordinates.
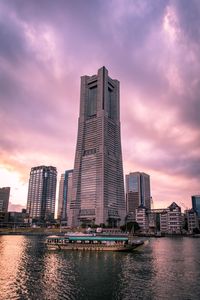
(33, 231)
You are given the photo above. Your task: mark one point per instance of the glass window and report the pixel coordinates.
(110, 105)
(92, 102)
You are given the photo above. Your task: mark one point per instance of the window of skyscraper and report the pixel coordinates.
(110, 108)
(92, 102)
(133, 184)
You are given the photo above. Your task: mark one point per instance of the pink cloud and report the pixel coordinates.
(149, 48)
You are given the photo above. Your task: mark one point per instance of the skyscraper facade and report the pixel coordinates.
(4, 199)
(98, 186)
(42, 193)
(196, 204)
(64, 194)
(137, 192)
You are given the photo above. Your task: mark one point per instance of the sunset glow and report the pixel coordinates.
(151, 47)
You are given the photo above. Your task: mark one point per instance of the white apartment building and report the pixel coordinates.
(142, 218)
(171, 219)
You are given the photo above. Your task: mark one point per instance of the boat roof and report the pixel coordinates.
(97, 238)
(90, 238)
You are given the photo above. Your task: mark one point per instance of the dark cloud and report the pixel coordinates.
(188, 13)
(12, 46)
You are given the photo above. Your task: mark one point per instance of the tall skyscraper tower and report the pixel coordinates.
(64, 194)
(137, 191)
(196, 204)
(42, 193)
(98, 185)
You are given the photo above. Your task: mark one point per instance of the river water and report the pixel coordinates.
(166, 268)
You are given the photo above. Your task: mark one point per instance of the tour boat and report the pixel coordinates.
(92, 242)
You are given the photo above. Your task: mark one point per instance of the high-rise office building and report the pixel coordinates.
(64, 194)
(137, 192)
(42, 193)
(4, 199)
(98, 185)
(196, 204)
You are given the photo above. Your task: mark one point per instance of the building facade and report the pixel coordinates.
(42, 193)
(196, 204)
(142, 218)
(192, 220)
(18, 218)
(98, 184)
(64, 194)
(137, 192)
(4, 201)
(171, 220)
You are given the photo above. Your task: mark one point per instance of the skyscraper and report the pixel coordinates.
(42, 193)
(98, 185)
(64, 194)
(137, 191)
(196, 204)
(4, 199)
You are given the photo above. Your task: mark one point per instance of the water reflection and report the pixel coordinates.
(166, 269)
(11, 254)
(176, 273)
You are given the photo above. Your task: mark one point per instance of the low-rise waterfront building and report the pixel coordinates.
(142, 218)
(152, 222)
(18, 218)
(164, 221)
(192, 220)
(171, 220)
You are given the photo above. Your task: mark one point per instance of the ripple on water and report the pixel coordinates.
(165, 269)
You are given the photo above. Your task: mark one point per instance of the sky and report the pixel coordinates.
(151, 47)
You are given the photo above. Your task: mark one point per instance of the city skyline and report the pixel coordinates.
(147, 45)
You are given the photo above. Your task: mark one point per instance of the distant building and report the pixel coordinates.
(171, 219)
(98, 182)
(196, 204)
(192, 220)
(164, 221)
(142, 218)
(152, 221)
(61, 196)
(64, 194)
(42, 193)
(4, 201)
(18, 218)
(137, 192)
